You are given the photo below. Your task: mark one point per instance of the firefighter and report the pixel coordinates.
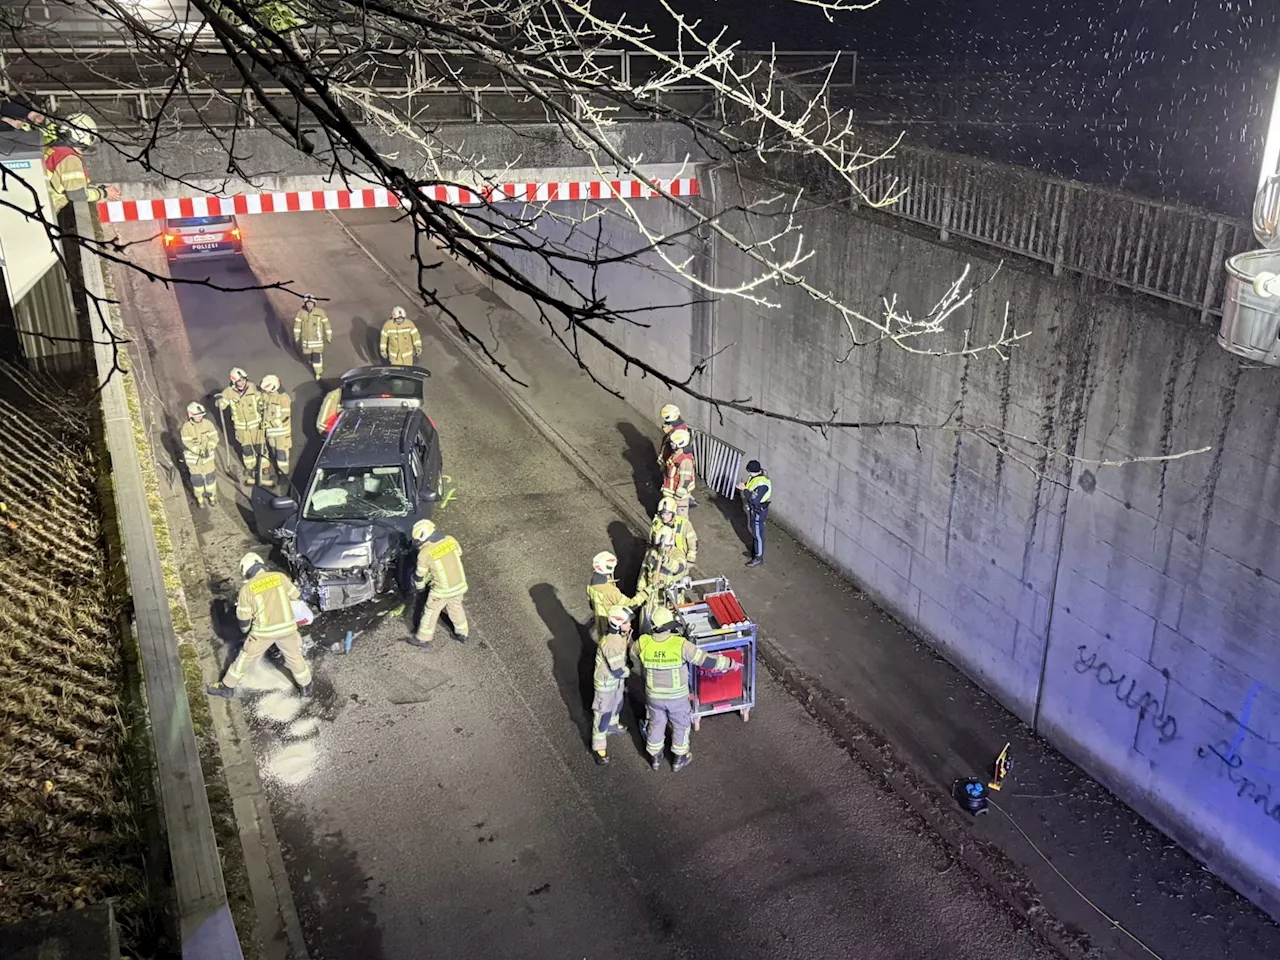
(242, 397)
(681, 477)
(400, 343)
(609, 680)
(664, 565)
(277, 419)
(757, 493)
(199, 449)
(264, 610)
(666, 656)
(440, 567)
(681, 529)
(311, 331)
(671, 421)
(64, 164)
(604, 593)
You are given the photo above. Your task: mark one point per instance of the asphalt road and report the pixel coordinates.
(443, 803)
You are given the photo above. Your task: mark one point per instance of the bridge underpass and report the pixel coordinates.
(447, 797)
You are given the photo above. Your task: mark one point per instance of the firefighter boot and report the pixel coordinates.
(682, 762)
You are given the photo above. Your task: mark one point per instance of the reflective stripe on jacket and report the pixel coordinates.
(400, 343)
(680, 479)
(199, 443)
(246, 417)
(611, 657)
(664, 658)
(277, 415)
(759, 492)
(440, 566)
(682, 529)
(266, 600)
(312, 330)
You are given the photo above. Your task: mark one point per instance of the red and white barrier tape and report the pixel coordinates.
(172, 208)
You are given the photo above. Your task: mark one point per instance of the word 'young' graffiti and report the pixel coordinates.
(1147, 704)
(1246, 789)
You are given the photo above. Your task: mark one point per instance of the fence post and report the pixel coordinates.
(943, 233)
(1214, 273)
(476, 113)
(1063, 227)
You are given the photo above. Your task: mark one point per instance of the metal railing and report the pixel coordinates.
(1165, 251)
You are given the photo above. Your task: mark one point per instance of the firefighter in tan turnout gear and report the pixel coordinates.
(681, 529)
(665, 565)
(311, 331)
(241, 397)
(277, 419)
(604, 593)
(264, 610)
(199, 449)
(666, 657)
(609, 680)
(681, 477)
(440, 568)
(400, 343)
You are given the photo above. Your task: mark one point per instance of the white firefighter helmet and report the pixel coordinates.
(195, 409)
(619, 617)
(680, 438)
(270, 383)
(237, 374)
(308, 299)
(604, 562)
(661, 617)
(666, 505)
(248, 562)
(83, 129)
(670, 413)
(397, 313)
(423, 529)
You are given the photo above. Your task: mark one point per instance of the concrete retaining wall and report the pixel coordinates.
(1132, 613)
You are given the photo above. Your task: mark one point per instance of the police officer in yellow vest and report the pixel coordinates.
(242, 398)
(757, 493)
(311, 331)
(199, 450)
(680, 528)
(264, 609)
(277, 419)
(609, 680)
(400, 343)
(440, 567)
(666, 657)
(604, 593)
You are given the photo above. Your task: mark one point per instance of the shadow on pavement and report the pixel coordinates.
(629, 549)
(642, 455)
(572, 652)
(281, 338)
(737, 517)
(365, 335)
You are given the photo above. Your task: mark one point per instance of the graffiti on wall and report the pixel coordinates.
(1253, 783)
(1146, 703)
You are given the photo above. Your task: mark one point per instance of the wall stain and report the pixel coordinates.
(1173, 410)
(955, 450)
(1228, 406)
(1006, 376)
(1258, 792)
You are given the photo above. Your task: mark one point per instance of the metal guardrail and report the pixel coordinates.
(1165, 251)
(204, 917)
(717, 463)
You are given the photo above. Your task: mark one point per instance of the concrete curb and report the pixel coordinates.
(867, 746)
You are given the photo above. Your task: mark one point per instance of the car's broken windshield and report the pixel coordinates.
(357, 493)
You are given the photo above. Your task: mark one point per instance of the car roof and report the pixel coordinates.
(371, 437)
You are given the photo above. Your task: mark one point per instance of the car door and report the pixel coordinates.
(272, 511)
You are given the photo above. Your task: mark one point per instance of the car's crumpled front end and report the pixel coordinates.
(339, 566)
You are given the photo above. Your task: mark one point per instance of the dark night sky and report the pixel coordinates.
(1167, 98)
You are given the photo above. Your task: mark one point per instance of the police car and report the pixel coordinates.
(192, 238)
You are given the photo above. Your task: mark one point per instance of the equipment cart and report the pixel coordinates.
(713, 619)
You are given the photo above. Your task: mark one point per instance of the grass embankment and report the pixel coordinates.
(69, 758)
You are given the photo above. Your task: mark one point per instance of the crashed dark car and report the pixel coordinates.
(379, 472)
